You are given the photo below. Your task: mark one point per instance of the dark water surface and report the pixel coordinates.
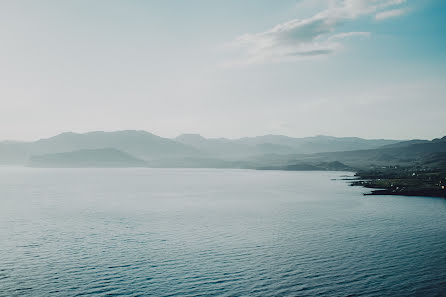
(205, 232)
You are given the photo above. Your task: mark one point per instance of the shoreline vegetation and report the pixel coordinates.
(394, 180)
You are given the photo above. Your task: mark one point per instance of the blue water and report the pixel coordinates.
(205, 232)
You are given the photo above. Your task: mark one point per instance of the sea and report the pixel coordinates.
(213, 232)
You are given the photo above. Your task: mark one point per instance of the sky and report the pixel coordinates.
(228, 68)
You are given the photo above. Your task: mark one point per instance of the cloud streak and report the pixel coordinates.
(315, 36)
(390, 14)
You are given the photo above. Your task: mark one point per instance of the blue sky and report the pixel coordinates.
(367, 68)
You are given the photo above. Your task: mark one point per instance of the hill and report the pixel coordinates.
(140, 144)
(426, 153)
(87, 158)
(277, 144)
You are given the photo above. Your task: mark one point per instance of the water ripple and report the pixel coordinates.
(213, 233)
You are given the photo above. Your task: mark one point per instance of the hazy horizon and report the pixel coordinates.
(204, 136)
(370, 69)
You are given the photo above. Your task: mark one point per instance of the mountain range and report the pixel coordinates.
(140, 148)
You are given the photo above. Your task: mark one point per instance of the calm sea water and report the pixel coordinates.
(205, 232)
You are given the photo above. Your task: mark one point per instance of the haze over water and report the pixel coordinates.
(206, 232)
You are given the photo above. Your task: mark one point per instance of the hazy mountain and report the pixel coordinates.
(425, 153)
(405, 143)
(87, 158)
(217, 147)
(319, 143)
(193, 150)
(140, 144)
(278, 144)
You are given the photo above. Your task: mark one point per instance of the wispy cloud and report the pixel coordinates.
(390, 13)
(348, 35)
(315, 36)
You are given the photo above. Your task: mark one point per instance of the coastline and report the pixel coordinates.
(402, 182)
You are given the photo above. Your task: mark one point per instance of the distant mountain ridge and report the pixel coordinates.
(87, 158)
(193, 150)
(408, 153)
(140, 144)
(279, 144)
(137, 142)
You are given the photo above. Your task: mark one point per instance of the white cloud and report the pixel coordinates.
(358, 7)
(291, 39)
(348, 35)
(314, 36)
(390, 14)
